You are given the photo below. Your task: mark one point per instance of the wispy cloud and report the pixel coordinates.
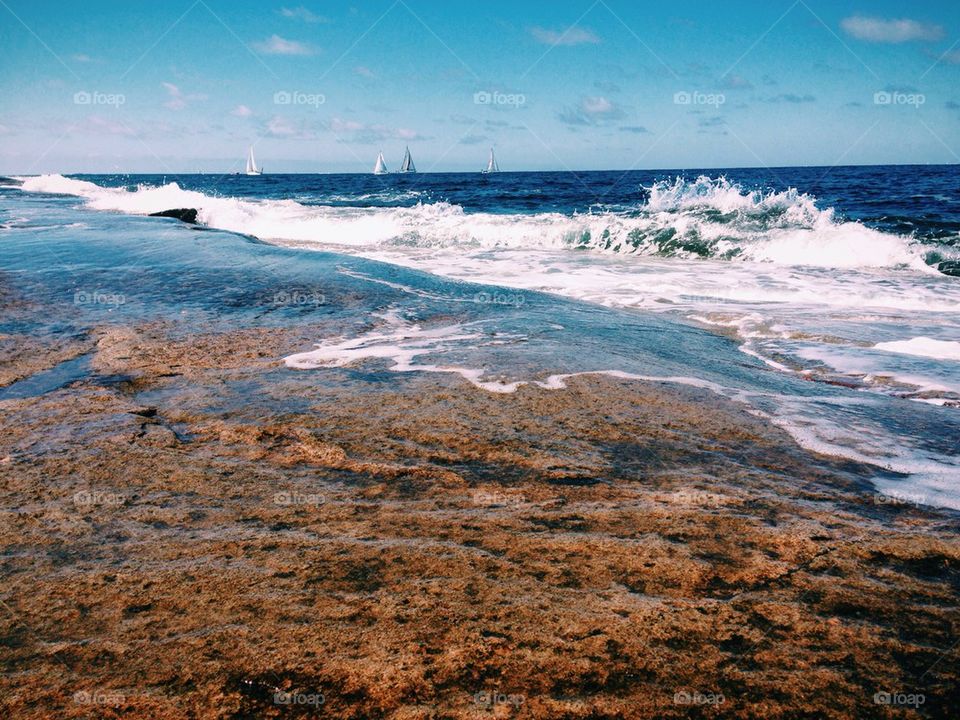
(592, 110)
(879, 30)
(899, 88)
(82, 58)
(276, 45)
(280, 127)
(712, 122)
(791, 98)
(364, 71)
(301, 13)
(736, 82)
(285, 129)
(473, 139)
(355, 131)
(597, 105)
(607, 86)
(176, 99)
(339, 125)
(571, 36)
(635, 129)
(241, 111)
(109, 127)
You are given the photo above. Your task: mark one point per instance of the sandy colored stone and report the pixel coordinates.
(175, 548)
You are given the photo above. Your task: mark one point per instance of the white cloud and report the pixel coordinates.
(879, 30)
(301, 13)
(241, 111)
(339, 125)
(177, 100)
(109, 127)
(280, 127)
(359, 132)
(572, 36)
(81, 58)
(736, 82)
(592, 110)
(597, 105)
(276, 45)
(364, 71)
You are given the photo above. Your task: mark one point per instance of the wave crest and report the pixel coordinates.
(706, 217)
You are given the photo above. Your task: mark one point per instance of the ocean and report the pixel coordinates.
(821, 299)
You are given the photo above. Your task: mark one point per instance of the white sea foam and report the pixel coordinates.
(923, 347)
(685, 219)
(878, 369)
(401, 343)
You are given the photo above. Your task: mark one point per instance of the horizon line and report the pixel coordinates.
(501, 172)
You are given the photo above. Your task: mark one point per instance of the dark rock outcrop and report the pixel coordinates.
(950, 267)
(187, 215)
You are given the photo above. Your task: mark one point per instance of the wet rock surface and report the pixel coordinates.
(194, 530)
(187, 215)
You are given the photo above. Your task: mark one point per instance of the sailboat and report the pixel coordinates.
(407, 165)
(252, 164)
(492, 166)
(381, 167)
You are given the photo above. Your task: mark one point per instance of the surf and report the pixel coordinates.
(706, 218)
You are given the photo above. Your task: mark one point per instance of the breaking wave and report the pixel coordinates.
(705, 217)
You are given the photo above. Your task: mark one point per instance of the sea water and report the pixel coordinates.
(813, 297)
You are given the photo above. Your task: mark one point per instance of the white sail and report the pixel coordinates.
(252, 164)
(407, 166)
(381, 167)
(492, 164)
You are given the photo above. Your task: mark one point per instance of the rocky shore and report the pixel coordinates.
(193, 530)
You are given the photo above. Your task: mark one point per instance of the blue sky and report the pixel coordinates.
(319, 86)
